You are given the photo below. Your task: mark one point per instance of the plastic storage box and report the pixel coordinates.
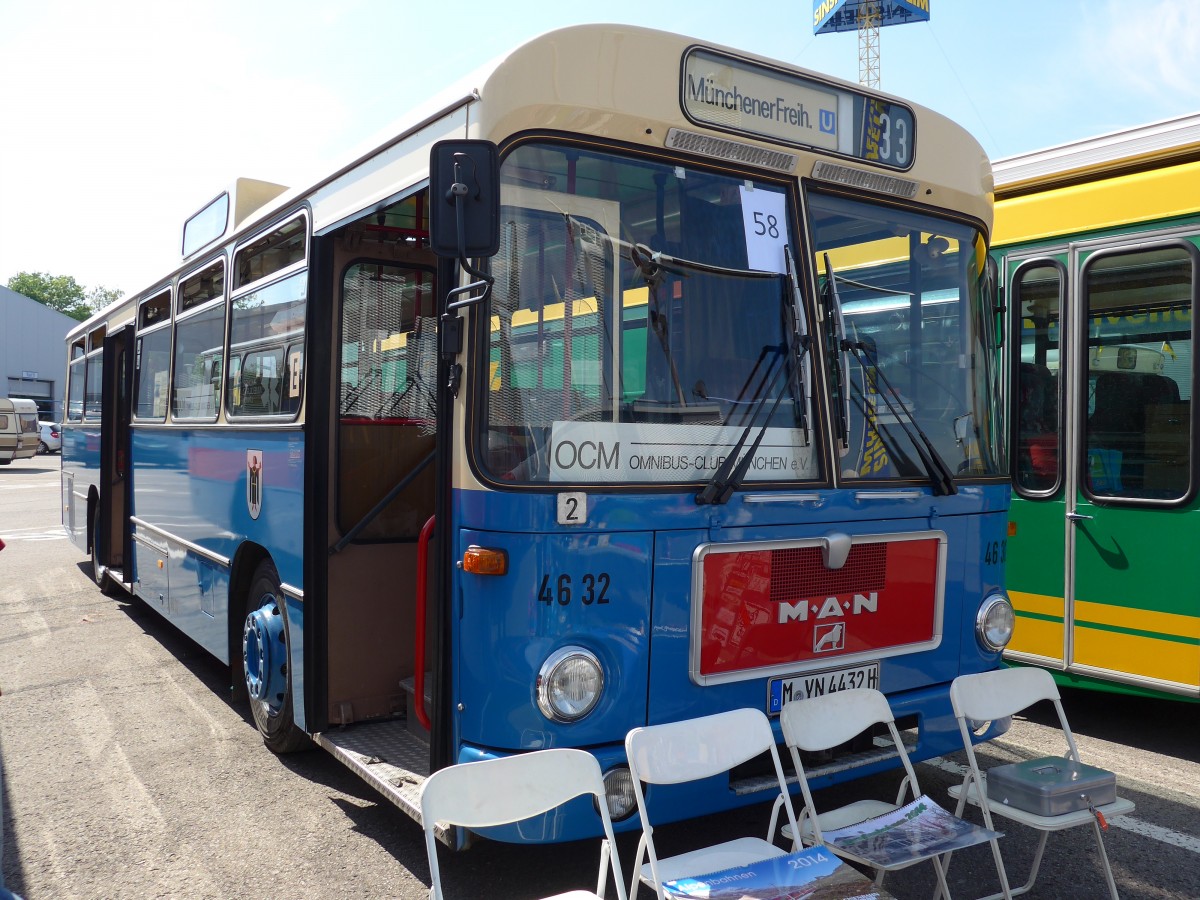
(1051, 786)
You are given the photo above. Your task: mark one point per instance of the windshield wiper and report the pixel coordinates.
(651, 263)
(940, 477)
(733, 469)
(837, 325)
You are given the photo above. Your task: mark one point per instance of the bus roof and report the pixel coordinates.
(1119, 152)
(1115, 180)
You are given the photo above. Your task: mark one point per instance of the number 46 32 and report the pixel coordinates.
(589, 589)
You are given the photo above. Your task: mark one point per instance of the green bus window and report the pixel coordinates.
(1137, 433)
(1037, 292)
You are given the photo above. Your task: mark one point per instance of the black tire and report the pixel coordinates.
(42, 448)
(104, 581)
(266, 648)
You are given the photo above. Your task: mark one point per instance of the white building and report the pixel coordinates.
(33, 360)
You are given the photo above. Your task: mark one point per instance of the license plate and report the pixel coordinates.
(817, 684)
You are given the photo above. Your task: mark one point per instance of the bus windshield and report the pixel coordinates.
(910, 340)
(641, 320)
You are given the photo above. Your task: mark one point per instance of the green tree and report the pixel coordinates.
(100, 297)
(62, 292)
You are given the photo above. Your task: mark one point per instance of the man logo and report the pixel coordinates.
(254, 467)
(829, 638)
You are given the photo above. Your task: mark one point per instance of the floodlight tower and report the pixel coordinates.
(866, 17)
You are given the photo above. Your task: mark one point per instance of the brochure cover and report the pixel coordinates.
(812, 874)
(917, 831)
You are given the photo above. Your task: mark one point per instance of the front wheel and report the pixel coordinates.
(265, 663)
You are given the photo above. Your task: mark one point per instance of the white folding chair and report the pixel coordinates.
(512, 788)
(691, 750)
(997, 695)
(822, 723)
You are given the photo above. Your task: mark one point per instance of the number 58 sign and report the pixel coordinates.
(764, 216)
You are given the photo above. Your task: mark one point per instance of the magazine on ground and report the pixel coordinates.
(812, 874)
(919, 830)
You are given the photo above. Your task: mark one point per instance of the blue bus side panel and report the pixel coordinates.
(191, 484)
(151, 581)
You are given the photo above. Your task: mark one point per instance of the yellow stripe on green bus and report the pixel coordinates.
(1142, 197)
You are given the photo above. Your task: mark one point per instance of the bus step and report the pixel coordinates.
(409, 686)
(385, 756)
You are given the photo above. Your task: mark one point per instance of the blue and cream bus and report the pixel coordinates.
(710, 418)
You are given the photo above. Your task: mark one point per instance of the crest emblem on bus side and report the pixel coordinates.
(254, 468)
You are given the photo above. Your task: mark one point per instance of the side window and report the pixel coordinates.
(264, 323)
(153, 374)
(1038, 289)
(77, 374)
(199, 344)
(1138, 428)
(267, 324)
(93, 392)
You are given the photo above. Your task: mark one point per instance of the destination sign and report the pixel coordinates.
(747, 98)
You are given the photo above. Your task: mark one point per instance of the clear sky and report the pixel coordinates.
(120, 118)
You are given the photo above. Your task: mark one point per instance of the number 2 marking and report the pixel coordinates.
(572, 508)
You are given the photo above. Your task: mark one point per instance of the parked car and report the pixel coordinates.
(18, 429)
(49, 437)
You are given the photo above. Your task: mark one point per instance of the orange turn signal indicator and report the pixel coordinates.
(1012, 529)
(485, 561)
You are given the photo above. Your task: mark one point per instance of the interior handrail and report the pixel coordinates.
(419, 629)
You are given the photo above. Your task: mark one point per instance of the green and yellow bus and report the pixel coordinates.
(1097, 246)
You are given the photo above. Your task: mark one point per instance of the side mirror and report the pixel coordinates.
(464, 199)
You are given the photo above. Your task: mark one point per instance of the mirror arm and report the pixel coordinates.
(457, 194)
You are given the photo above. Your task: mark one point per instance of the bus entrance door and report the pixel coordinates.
(1037, 537)
(112, 535)
(1128, 561)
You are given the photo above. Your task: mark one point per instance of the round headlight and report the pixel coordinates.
(569, 684)
(994, 623)
(618, 791)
